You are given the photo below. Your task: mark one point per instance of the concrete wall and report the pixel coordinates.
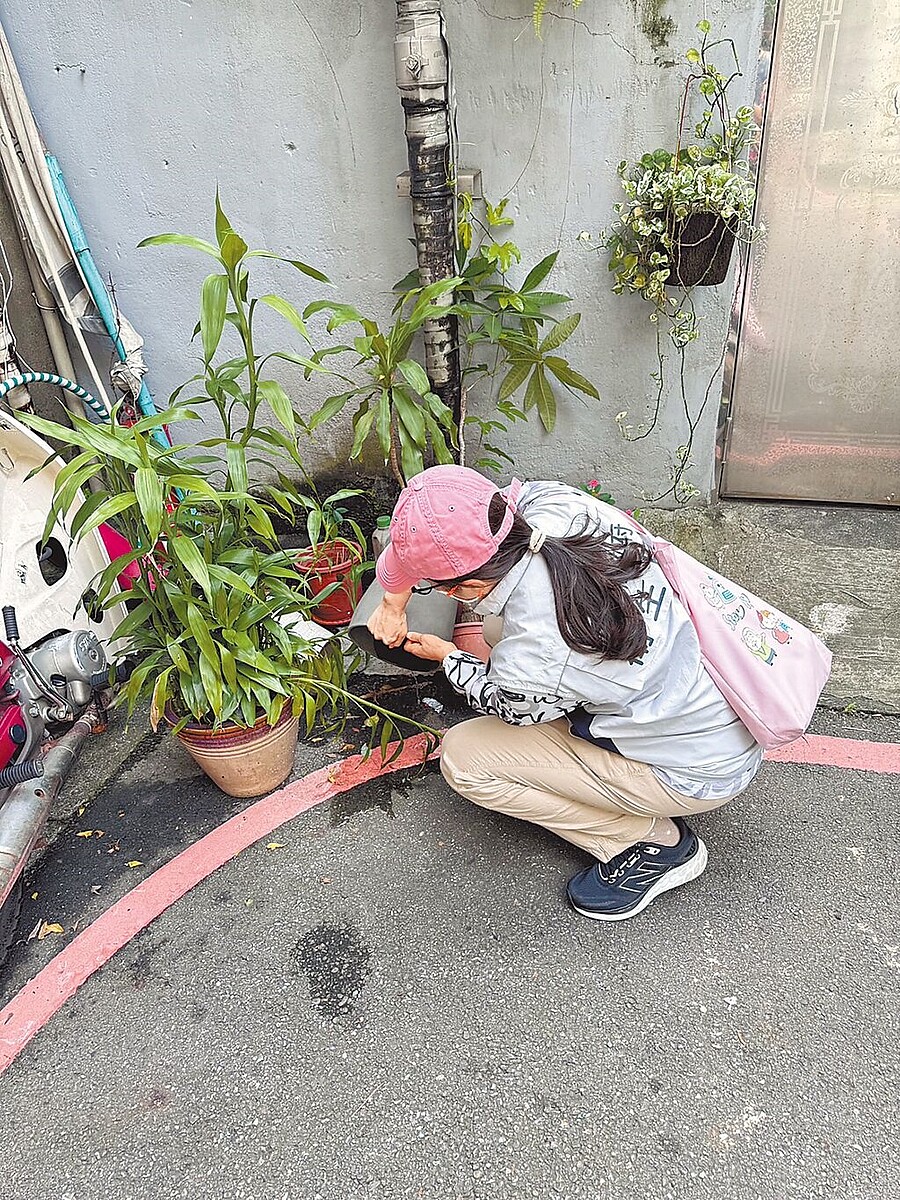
(290, 107)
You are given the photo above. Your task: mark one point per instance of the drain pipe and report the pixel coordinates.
(24, 814)
(422, 70)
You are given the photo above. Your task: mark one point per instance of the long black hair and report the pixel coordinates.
(595, 613)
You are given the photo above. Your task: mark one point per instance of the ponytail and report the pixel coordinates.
(595, 612)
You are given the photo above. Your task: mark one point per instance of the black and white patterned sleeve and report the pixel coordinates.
(469, 676)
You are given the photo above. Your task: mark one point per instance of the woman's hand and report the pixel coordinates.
(388, 622)
(428, 645)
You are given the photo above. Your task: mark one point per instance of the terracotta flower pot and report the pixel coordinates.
(469, 636)
(244, 762)
(327, 564)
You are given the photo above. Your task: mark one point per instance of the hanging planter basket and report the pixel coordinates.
(331, 568)
(701, 251)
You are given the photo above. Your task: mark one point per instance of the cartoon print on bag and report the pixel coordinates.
(773, 624)
(734, 617)
(757, 645)
(716, 595)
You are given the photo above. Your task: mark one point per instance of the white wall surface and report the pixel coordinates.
(290, 107)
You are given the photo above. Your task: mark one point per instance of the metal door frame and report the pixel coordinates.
(767, 47)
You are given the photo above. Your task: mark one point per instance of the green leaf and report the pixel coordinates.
(233, 249)
(410, 416)
(538, 274)
(231, 578)
(211, 678)
(213, 302)
(148, 489)
(236, 458)
(223, 225)
(415, 376)
(561, 332)
(180, 239)
(426, 298)
(438, 441)
(341, 314)
(87, 521)
(200, 631)
(514, 379)
(532, 392)
(570, 378)
(280, 404)
(330, 409)
(546, 401)
(302, 267)
(186, 551)
(410, 458)
(383, 422)
(259, 521)
(361, 429)
(287, 310)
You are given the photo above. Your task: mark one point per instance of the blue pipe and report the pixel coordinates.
(95, 283)
(89, 401)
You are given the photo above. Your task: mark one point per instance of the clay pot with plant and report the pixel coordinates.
(333, 563)
(217, 611)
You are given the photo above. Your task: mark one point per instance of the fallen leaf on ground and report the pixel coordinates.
(34, 932)
(114, 848)
(48, 927)
(274, 845)
(34, 895)
(135, 862)
(90, 833)
(95, 888)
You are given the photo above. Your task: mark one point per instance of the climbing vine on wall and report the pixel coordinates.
(540, 8)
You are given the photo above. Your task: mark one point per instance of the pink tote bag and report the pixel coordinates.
(770, 668)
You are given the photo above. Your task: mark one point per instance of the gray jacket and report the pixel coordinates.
(663, 710)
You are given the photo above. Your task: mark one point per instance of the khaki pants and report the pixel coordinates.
(597, 800)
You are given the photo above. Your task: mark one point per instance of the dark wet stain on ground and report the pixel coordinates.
(144, 817)
(379, 794)
(335, 960)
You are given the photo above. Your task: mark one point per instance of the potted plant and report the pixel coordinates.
(685, 208)
(334, 562)
(215, 607)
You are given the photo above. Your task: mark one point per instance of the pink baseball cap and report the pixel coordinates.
(440, 527)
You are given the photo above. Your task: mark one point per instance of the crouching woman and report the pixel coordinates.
(600, 722)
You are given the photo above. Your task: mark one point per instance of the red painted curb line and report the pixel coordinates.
(882, 757)
(31, 1008)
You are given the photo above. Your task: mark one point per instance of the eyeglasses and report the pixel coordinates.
(425, 589)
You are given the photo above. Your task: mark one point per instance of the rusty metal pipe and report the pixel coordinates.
(27, 807)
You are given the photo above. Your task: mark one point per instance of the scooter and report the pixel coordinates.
(52, 697)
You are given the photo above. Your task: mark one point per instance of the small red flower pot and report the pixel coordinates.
(329, 568)
(469, 636)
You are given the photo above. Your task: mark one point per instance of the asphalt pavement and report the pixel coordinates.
(395, 1001)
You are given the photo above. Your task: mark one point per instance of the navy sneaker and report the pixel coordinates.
(624, 886)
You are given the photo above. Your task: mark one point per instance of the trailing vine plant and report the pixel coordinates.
(684, 207)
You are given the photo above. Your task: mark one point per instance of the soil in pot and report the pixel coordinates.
(701, 251)
(328, 564)
(244, 762)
